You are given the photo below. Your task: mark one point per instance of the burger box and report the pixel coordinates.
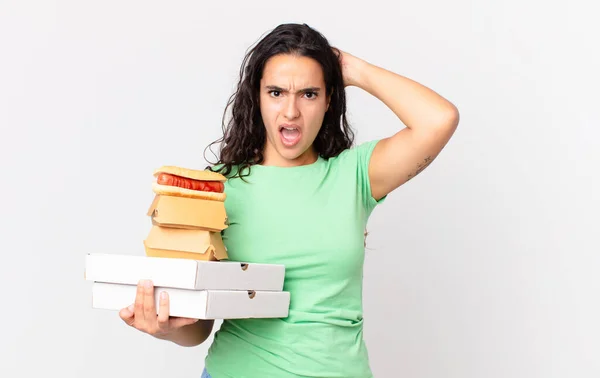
(188, 213)
(198, 304)
(184, 273)
(195, 244)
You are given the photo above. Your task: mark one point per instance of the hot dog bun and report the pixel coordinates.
(204, 175)
(167, 190)
(190, 183)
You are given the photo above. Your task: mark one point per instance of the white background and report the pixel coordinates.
(485, 265)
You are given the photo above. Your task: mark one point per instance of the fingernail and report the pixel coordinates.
(147, 284)
(130, 308)
(163, 295)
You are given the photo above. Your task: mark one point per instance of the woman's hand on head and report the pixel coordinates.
(143, 316)
(351, 67)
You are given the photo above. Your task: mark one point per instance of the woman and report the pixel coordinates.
(300, 194)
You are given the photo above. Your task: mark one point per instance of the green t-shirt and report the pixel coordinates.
(312, 219)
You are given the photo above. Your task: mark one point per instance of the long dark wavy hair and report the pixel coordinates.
(244, 136)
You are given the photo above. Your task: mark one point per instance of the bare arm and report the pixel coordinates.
(429, 118)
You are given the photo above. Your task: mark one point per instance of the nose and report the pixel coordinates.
(291, 110)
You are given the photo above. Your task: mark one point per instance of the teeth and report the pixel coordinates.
(290, 128)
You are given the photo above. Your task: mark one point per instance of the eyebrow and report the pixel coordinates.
(279, 89)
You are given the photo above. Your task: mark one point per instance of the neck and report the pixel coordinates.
(273, 158)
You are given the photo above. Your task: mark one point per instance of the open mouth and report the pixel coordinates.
(290, 135)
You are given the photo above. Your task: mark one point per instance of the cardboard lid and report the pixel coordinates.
(186, 240)
(220, 251)
(182, 212)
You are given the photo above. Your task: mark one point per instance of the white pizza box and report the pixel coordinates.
(198, 304)
(184, 273)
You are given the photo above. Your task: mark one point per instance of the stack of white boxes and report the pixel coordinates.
(197, 289)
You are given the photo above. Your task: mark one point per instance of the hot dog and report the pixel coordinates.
(184, 182)
(187, 183)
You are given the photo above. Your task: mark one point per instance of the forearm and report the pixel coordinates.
(418, 107)
(191, 335)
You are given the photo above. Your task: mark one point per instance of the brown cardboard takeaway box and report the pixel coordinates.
(185, 244)
(186, 228)
(194, 213)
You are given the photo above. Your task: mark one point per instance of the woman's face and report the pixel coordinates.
(293, 104)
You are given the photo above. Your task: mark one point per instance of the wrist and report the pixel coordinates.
(164, 336)
(174, 335)
(189, 335)
(361, 77)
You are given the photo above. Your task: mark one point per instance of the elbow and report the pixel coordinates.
(451, 117)
(445, 123)
(448, 119)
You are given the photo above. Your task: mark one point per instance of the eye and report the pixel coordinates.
(274, 92)
(311, 95)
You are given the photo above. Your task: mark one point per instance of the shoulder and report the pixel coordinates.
(356, 156)
(353, 163)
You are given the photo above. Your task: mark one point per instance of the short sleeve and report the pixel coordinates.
(363, 156)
